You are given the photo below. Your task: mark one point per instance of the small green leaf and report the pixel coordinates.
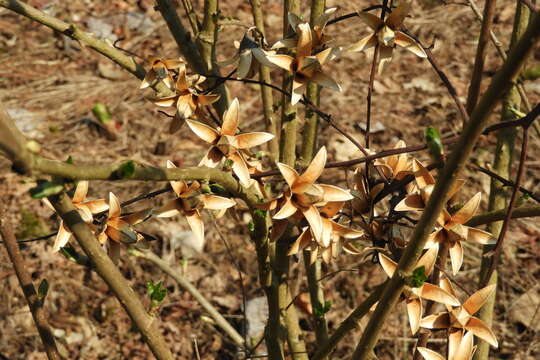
(434, 143)
(126, 170)
(69, 160)
(206, 189)
(228, 164)
(323, 309)
(101, 112)
(251, 226)
(72, 255)
(259, 213)
(43, 289)
(156, 292)
(46, 188)
(69, 253)
(418, 276)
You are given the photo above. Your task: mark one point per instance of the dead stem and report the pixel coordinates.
(25, 280)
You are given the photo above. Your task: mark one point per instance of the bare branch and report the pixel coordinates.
(146, 324)
(501, 81)
(189, 48)
(189, 287)
(25, 280)
(266, 92)
(498, 215)
(476, 77)
(84, 38)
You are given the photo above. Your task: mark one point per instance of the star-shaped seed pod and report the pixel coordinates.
(304, 196)
(395, 166)
(160, 70)
(188, 99)
(387, 35)
(250, 54)
(421, 190)
(450, 224)
(330, 243)
(320, 39)
(304, 66)
(452, 230)
(461, 317)
(190, 201)
(85, 209)
(414, 295)
(363, 199)
(226, 144)
(462, 345)
(119, 228)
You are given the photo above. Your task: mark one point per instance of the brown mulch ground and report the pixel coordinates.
(49, 85)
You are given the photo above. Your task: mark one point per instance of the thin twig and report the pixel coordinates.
(476, 77)
(355, 14)
(25, 280)
(520, 172)
(270, 119)
(189, 287)
(107, 270)
(444, 78)
(238, 270)
(457, 159)
(84, 38)
(192, 16)
(506, 182)
(524, 211)
(502, 55)
(372, 73)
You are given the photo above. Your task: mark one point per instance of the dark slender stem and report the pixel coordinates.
(521, 171)
(370, 93)
(444, 78)
(232, 259)
(355, 14)
(476, 77)
(149, 195)
(457, 159)
(506, 182)
(525, 121)
(25, 280)
(385, 9)
(327, 117)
